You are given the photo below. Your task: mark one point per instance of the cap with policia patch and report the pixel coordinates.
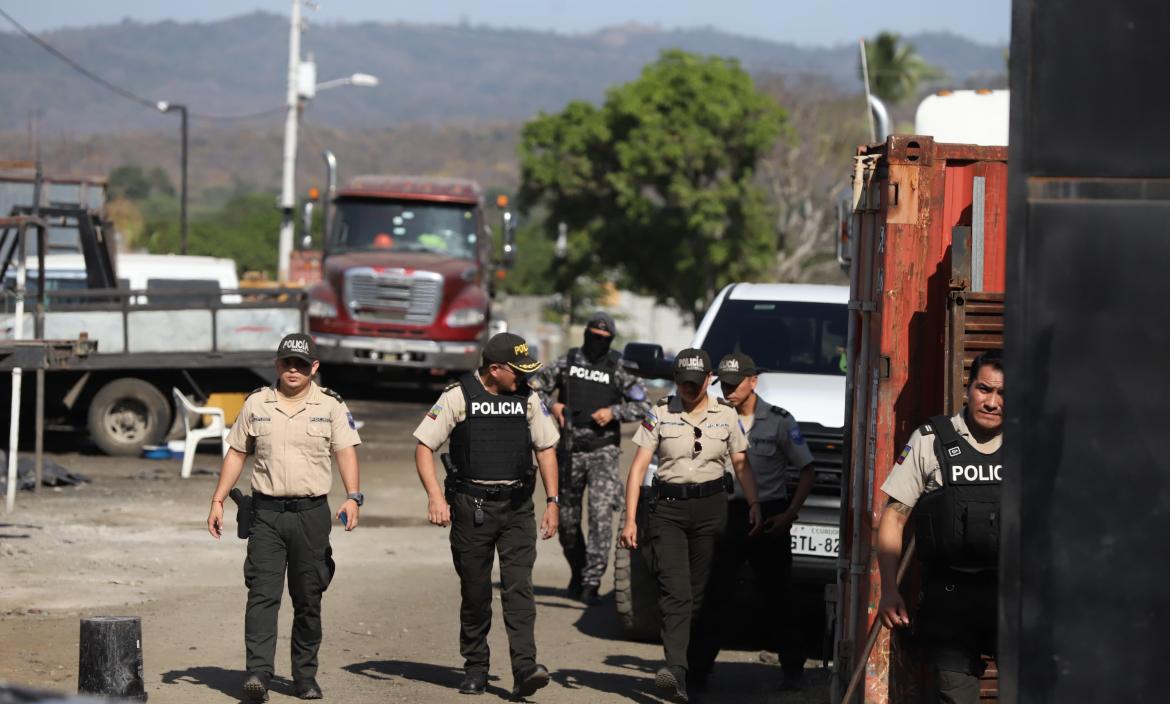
(510, 349)
(736, 367)
(602, 321)
(297, 345)
(691, 365)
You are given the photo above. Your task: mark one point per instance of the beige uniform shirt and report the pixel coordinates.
(293, 453)
(917, 471)
(671, 431)
(451, 409)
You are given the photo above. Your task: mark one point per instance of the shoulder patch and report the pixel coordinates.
(780, 411)
(664, 400)
(927, 429)
(334, 394)
(725, 402)
(452, 385)
(253, 392)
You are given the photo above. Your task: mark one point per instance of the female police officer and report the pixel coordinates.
(693, 435)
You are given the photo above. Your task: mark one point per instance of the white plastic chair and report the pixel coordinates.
(216, 429)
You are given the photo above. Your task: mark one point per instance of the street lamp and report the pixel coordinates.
(302, 86)
(164, 106)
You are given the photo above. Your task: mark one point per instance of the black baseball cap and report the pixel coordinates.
(691, 365)
(511, 349)
(602, 321)
(736, 367)
(297, 345)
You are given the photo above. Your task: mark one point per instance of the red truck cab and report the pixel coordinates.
(405, 277)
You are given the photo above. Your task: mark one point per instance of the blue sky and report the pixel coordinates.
(806, 22)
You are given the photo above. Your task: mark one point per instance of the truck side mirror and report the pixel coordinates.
(307, 225)
(646, 360)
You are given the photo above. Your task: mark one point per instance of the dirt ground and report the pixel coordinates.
(134, 543)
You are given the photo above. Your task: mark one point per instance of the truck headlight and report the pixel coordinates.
(465, 317)
(321, 309)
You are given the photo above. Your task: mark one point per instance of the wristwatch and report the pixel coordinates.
(553, 500)
(357, 496)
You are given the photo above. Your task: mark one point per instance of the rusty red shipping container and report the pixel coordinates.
(910, 195)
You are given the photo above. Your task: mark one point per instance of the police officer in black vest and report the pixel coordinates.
(590, 394)
(494, 424)
(947, 483)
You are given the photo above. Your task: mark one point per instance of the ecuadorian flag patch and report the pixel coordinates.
(649, 422)
(905, 453)
(434, 412)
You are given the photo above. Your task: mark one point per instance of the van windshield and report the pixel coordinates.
(404, 226)
(781, 336)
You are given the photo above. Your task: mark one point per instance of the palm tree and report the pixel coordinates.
(895, 68)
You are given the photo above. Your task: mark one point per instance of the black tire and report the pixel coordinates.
(635, 590)
(126, 414)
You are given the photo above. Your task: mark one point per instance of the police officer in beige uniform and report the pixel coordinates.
(955, 517)
(495, 423)
(693, 435)
(292, 429)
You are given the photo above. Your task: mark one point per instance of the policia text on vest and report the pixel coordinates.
(494, 424)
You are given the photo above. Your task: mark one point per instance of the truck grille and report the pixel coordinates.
(393, 295)
(827, 446)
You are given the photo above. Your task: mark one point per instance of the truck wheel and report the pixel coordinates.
(635, 591)
(127, 414)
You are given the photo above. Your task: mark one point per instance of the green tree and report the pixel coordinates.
(657, 186)
(131, 181)
(246, 230)
(895, 68)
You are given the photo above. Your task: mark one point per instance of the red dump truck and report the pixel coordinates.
(927, 242)
(406, 277)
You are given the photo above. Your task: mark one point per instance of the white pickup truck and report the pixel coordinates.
(797, 334)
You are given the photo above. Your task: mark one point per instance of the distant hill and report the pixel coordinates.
(430, 74)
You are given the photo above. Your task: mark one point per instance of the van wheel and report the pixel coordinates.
(127, 414)
(635, 589)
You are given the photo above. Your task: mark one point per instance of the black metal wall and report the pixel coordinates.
(1085, 604)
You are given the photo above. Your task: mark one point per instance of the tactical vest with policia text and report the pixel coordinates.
(492, 442)
(585, 389)
(957, 525)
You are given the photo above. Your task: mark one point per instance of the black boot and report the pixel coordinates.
(475, 682)
(589, 595)
(673, 679)
(529, 680)
(256, 686)
(308, 689)
(575, 556)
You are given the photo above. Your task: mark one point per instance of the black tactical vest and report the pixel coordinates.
(493, 442)
(958, 524)
(587, 387)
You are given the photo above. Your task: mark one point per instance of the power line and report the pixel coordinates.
(119, 90)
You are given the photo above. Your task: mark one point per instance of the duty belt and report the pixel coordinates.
(492, 492)
(663, 490)
(280, 504)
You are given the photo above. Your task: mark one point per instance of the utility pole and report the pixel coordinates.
(288, 181)
(164, 106)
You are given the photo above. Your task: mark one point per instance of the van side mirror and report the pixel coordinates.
(307, 225)
(646, 360)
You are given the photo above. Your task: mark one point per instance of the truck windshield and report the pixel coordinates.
(780, 336)
(404, 226)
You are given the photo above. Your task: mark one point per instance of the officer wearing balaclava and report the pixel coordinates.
(590, 395)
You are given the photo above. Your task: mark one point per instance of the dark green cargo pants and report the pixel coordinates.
(681, 535)
(299, 543)
(509, 527)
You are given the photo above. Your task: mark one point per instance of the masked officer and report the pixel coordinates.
(494, 423)
(693, 435)
(591, 394)
(292, 428)
(776, 449)
(947, 482)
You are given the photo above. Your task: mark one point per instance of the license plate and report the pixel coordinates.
(818, 540)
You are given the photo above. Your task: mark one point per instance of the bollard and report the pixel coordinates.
(110, 658)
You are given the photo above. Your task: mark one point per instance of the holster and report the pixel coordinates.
(243, 513)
